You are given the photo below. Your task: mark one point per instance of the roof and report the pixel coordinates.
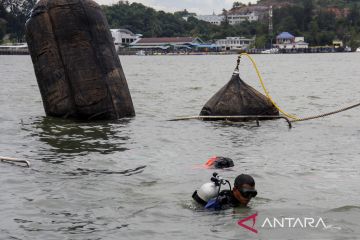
(285, 35)
(166, 40)
(123, 30)
(248, 9)
(301, 43)
(150, 47)
(206, 46)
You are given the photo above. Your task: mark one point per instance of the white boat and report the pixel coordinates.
(270, 51)
(140, 53)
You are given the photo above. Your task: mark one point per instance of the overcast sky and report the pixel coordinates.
(197, 6)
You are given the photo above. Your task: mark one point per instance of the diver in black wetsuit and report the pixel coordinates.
(241, 194)
(211, 197)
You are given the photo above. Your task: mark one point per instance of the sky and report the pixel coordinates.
(197, 6)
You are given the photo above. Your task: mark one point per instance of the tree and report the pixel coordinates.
(353, 18)
(225, 14)
(17, 13)
(237, 4)
(308, 13)
(2, 29)
(184, 13)
(326, 20)
(260, 41)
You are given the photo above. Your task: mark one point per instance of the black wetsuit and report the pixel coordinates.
(225, 200)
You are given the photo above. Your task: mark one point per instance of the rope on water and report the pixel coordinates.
(326, 114)
(293, 117)
(284, 115)
(243, 117)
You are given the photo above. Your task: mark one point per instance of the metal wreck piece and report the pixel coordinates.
(238, 98)
(77, 68)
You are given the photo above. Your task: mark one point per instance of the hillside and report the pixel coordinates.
(319, 21)
(318, 4)
(151, 23)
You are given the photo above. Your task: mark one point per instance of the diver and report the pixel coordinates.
(211, 197)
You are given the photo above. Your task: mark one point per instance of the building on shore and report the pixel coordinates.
(249, 13)
(14, 49)
(165, 42)
(286, 40)
(213, 19)
(235, 18)
(173, 44)
(235, 43)
(123, 37)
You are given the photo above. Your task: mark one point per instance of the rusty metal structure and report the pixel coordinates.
(77, 68)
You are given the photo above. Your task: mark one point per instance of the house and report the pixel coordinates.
(338, 43)
(239, 18)
(235, 43)
(213, 19)
(286, 40)
(246, 13)
(123, 37)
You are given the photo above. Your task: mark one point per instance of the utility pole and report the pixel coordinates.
(271, 26)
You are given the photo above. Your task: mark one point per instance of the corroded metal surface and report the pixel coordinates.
(238, 98)
(78, 71)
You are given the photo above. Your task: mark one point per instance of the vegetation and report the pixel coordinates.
(319, 24)
(312, 19)
(316, 20)
(13, 15)
(141, 19)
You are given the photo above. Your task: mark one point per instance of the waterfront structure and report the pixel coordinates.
(14, 49)
(235, 43)
(213, 19)
(123, 37)
(166, 43)
(286, 40)
(338, 43)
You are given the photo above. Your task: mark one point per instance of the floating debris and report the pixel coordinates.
(14, 161)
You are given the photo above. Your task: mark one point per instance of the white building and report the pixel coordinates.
(235, 43)
(123, 37)
(286, 40)
(237, 18)
(213, 19)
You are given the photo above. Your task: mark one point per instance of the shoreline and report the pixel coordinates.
(25, 51)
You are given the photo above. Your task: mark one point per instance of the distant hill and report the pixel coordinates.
(316, 3)
(319, 21)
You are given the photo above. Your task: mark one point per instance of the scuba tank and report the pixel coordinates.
(209, 190)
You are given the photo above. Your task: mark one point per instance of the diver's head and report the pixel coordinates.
(244, 189)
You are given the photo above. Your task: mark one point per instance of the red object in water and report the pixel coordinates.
(210, 162)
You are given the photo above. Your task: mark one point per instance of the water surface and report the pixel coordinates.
(133, 178)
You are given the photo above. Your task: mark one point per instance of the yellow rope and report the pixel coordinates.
(265, 90)
(293, 117)
(287, 115)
